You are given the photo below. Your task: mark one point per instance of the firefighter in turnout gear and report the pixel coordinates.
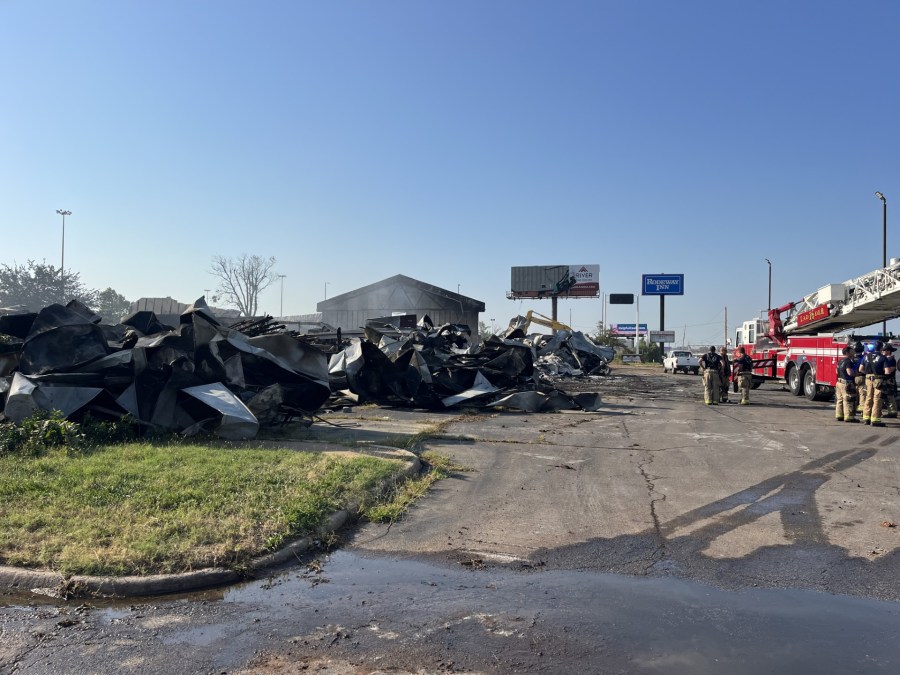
(859, 355)
(712, 376)
(726, 375)
(743, 371)
(845, 389)
(890, 381)
(874, 369)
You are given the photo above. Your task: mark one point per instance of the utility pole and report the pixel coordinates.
(281, 309)
(62, 264)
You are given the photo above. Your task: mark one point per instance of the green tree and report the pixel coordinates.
(111, 306)
(651, 351)
(35, 285)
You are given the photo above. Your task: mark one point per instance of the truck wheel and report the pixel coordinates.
(795, 384)
(810, 388)
(695, 371)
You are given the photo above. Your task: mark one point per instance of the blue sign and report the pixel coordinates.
(663, 284)
(626, 329)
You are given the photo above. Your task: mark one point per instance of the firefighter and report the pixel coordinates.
(874, 367)
(845, 388)
(712, 368)
(860, 379)
(890, 381)
(743, 370)
(725, 375)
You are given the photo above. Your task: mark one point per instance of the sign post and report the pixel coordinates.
(662, 285)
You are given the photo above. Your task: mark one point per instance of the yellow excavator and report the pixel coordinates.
(535, 317)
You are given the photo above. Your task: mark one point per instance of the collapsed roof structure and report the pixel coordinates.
(200, 376)
(197, 376)
(439, 368)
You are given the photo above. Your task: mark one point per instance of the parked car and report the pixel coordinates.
(683, 360)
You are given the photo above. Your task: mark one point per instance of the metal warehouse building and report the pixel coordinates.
(399, 294)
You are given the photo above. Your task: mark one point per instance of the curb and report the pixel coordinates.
(55, 584)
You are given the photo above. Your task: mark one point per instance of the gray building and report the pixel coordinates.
(399, 294)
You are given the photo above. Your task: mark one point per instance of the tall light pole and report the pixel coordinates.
(770, 283)
(62, 264)
(281, 308)
(326, 289)
(883, 242)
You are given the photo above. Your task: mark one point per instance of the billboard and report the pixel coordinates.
(662, 284)
(563, 281)
(626, 329)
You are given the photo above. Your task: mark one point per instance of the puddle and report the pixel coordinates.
(563, 618)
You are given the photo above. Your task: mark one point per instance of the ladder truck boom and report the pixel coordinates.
(866, 300)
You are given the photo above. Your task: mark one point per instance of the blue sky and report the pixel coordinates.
(452, 141)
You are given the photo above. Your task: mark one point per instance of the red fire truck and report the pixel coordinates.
(800, 343)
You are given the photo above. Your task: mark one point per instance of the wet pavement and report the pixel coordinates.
(744, 540)
(357, 614)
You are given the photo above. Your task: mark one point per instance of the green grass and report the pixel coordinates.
(145, 508)
(408, 492)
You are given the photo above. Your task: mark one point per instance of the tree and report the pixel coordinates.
(242, 279)
(111, 305)
(35, 285)
(484, 330)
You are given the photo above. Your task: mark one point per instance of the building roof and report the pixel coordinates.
(466, 302)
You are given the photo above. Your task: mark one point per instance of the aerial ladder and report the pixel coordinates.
(866, 300)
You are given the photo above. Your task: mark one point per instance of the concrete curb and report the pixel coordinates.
(78, 586)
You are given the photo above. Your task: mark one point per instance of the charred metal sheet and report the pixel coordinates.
(17, 325)
(481, 387)
(62, 347)
(20, 403)
(228, 417)
(145, 323)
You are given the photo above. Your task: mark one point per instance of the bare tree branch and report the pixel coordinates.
(242, 279)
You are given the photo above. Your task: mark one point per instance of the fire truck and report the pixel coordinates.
(800, 343)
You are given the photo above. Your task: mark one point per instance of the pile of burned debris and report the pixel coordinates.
(442, 367)
(201, 376)
(197, 376)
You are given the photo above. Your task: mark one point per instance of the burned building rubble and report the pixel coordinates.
(196, 376)
(200, 376)
(443, 367)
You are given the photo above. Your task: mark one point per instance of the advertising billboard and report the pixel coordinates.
(626, 329)
(563, 281)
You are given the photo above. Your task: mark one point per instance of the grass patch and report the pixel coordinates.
(409, 491)
(145, 508)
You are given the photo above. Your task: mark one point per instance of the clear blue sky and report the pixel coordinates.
(452, 141)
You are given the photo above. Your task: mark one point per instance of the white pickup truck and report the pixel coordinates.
(683, 360)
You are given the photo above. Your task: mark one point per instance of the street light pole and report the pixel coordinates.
(326, 289)
(883, 243)
(770, 283)
(281, 308)
(62, 264)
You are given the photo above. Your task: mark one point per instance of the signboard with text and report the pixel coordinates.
(813, 315)
(662, 336)
(662, 284)
(626, 329)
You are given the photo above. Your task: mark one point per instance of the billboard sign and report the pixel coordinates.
(547, 281)
(626, 329)
(662, 284)
(662, 336)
